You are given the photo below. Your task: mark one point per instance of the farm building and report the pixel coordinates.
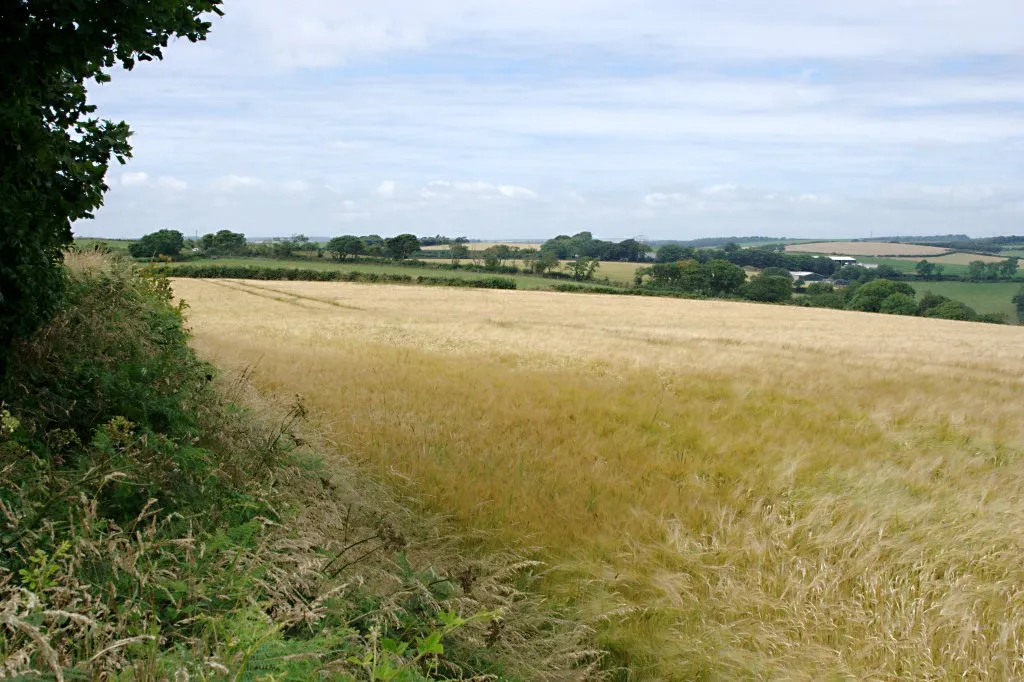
(843, 260)
(803, 276)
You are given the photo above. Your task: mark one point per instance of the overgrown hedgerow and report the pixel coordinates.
(158, 521)
(305, 275)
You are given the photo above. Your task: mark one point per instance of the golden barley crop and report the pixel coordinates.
(732, 491)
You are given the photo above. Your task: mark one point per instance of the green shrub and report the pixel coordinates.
(953, 310)
(205, 271)
(769, 288)
(898, 304)
(198, 540)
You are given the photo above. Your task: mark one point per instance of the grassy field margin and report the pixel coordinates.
(162, 521)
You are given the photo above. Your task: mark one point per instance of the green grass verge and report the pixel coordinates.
(324, 264)
(985, 297)
(160, 523)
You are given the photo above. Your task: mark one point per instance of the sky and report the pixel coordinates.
(524, 119)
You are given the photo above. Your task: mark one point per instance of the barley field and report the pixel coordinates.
(866, 249)
(728, 490)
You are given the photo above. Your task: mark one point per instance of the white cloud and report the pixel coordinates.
(134, 179)
(174, 184)
(323, 33)
(232, 182)
(802, 117)
(295, 186)
(513, 192)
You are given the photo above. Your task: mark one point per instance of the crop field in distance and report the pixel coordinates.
(866, 249)
(728, 490)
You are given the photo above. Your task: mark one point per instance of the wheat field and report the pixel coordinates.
(729, 490)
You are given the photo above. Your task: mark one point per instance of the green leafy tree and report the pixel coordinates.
(458, 251)
(286, 248)
(348, 245)
(1018, 302)
(224, 242)
(159, 243)
(722, 277)
(898, 304)
(769, 288)
(869, 297)
(953, 310)
(540, 262)
(54, 153)
(976, 271)
(925, 269)
(402, 246)
(583, 268)
(929, 301)
(498, 255)
(776, 272)
(630, 250)
(671, 253)
(820, 288)
(1008, 268)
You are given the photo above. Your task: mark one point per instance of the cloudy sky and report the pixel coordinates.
(529, 118)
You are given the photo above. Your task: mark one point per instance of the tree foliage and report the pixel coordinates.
(347, 245)
(769, 288)
(714, 278)
(1018, 302)
(159, 243)
(583, 268)
(980, 271)
(869, 297)
(898, 304)
(224, 243)
(401, 246)
(583, 244)
(54, 153)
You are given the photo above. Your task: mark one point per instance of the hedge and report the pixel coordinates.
(304, 275)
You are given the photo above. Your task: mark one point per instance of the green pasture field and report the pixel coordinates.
(112, 244)
(985, 297)
(907, 265)
(522, 281)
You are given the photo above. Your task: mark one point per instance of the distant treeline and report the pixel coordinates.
(710, 242)
(927, 239)
(982, 244)
(763, 257)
